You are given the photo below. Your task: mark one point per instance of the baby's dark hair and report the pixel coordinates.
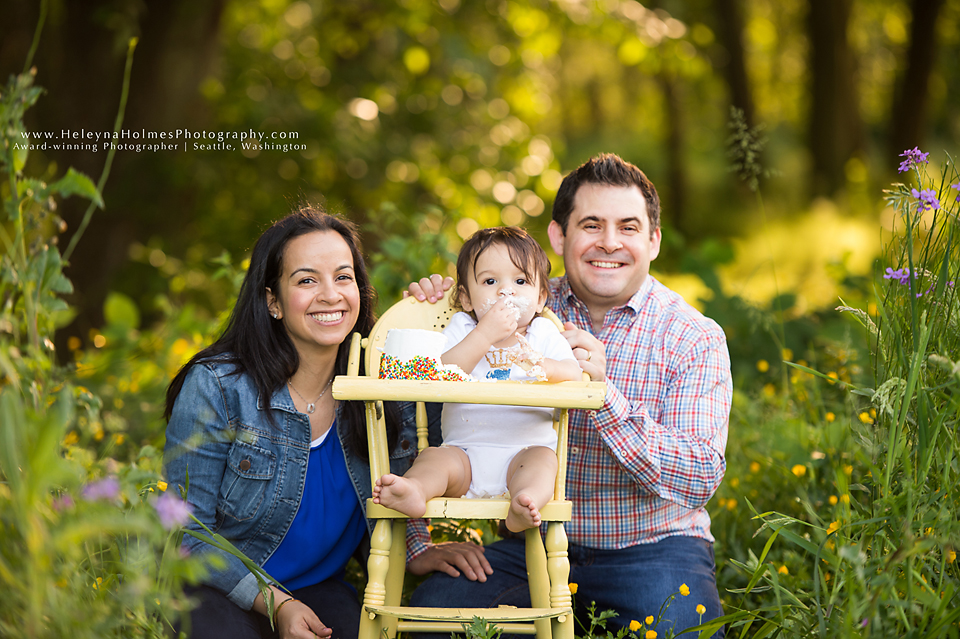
(525, 253)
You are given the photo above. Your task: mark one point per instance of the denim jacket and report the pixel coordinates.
(246, 475)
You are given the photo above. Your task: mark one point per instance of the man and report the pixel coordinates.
(640, 469)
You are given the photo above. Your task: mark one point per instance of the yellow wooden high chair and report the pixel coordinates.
(548, 569)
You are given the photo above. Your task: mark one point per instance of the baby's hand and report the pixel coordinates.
(499, 323)
(528, 357)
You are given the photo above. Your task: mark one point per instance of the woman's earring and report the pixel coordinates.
(276, 316)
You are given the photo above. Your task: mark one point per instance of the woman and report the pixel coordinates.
(269, 459)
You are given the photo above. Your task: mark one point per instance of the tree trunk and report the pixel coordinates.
(834, 124)
(80, 63)
(730, 34)
(908, 121)
(676, 176)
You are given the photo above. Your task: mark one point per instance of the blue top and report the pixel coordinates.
(328, 525)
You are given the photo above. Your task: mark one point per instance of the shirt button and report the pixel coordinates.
(245, 464)
(574, 450)
(405, 444)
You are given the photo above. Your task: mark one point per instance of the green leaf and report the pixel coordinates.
(120, 310)
(76, 183)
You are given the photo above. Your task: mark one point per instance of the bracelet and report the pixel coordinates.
(276, 611)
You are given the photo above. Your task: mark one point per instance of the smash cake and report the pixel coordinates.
(413, 353)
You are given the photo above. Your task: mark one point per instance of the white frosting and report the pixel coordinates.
(407, 343)
(518, 305)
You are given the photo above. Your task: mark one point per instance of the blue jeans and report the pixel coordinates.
(216, 617)
(633, 581)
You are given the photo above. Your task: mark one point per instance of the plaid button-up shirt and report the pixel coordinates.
(642, 467)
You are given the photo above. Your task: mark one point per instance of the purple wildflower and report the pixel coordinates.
(901, 275)
(107, 488)
(62, 502)
(173, 511)
(956, 186)
(864, 623)
(914, 157)
(927, 199)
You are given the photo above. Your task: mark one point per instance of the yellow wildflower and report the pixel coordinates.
(701, 609)
(951, 556)
(830, 417)
(865, 417)
(833, 527)
(649, 620)
(731, 504)
(71, 438)
(833, 500)
(735, 482)
(769, 390)
(783, 570)
(651, 634)
(845, 499)
(162, 485)
(635, 625)
(787, 353)
(754, 467)
(573, 588)
(684, 589)
(799, 470)
(763, 365)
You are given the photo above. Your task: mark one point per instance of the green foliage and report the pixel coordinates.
(871, 537)
(83, 550)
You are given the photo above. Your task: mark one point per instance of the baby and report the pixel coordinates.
(489, 450)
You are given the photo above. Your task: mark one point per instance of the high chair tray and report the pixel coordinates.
(586, 395)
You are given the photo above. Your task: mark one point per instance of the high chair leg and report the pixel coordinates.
(395, 573)
(558, 567)
(377, 567)
(537, 577)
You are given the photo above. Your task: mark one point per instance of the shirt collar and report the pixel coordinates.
(635, 303)
(279, 400)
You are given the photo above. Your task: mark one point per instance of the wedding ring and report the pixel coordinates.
(589, 355)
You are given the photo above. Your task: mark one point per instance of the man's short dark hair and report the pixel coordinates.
(610, 170)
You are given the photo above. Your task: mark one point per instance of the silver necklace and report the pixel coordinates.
(311, 406)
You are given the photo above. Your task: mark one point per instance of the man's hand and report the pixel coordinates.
(451, 557)
(429, 288)
(590, 352)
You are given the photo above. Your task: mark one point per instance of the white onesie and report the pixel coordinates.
(492, 435)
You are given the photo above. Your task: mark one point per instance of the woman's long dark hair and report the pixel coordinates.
(259, 346)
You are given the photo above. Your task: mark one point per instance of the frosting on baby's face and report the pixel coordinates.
(519, 305)
(497, 278)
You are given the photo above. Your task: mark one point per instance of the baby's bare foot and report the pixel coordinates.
(523, 513)
(401, 494)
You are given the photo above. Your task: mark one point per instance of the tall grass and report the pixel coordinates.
(878, 557)
(85, 547)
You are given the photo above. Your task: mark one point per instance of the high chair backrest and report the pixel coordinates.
(409, 313)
